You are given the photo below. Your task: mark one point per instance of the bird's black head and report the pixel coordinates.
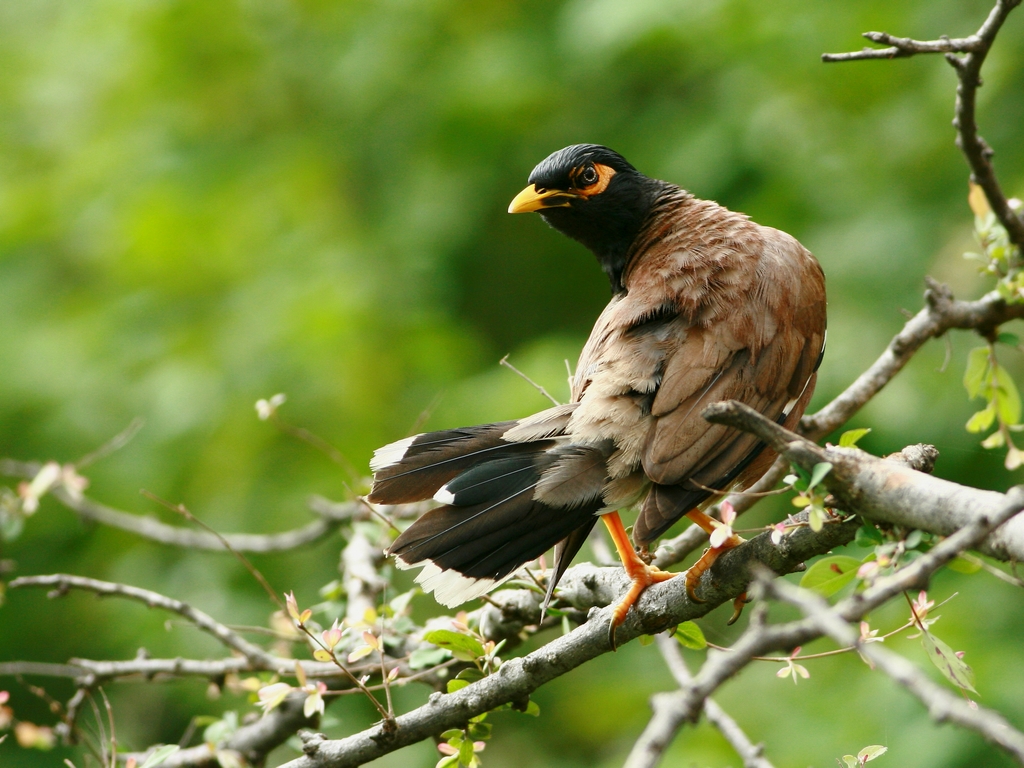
(593, 195)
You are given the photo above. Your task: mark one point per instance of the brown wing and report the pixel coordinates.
(716, 307)
(763, 353)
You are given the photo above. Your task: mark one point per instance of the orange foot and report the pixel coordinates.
(640, 573)
(721, 541)
(737, 608)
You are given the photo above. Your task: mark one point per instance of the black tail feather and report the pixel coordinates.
(505, 502)
(413, 469)
(496, 479)
(565, 551)
(469, 550)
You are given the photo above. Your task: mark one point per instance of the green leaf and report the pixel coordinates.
(470, 674)
(462, 647)
(851, 761)
(1010, 339)
(995, 440)
(160, 755)
(977, 367)
(423, 658)
(1007, 397)
(448, 762)
(691, 636)
(868, 754)
(802, 477)
(10, 526)
(229, 758)
(868, 536)
(451, 733)
(400, 603)
(982, 420)
(466, 752)
(913, 539)
(815, 517)
(455, 685)
(948, 663)
(961, 565)
(830, 574)
(479, 731)
(818, 473)
(646, 640)
(219, 730)
(850, 437)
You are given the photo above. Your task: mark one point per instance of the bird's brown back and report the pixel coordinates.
(716, 307)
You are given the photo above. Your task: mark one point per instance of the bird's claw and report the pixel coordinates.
(737, 608)
(711, 554)
(642, 576)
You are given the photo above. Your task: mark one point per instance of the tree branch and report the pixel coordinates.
(254, 741)
(942, 704)
(761, 638)
(976, 151)
(883, 490)
(330, 517)
(63, 582)
(670, 715)
(360, 579)
(661, 606)
(904, 47)
(41, 668)
(941, 313)
(974, 49)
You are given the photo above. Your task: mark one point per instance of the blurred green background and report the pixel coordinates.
(205, 202)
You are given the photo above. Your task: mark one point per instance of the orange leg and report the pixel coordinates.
(642, 574)
(708, 558)
(705, 523)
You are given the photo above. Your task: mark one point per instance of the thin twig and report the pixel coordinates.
(942, 704)
(666, 721)
(387, 716)
(972, 52)
(62, 582)
(182, 510)
(113, 734)
(942, 312)
(314, 440)
(332, 515)
(504, 361)
(116, 443)
(989, 568)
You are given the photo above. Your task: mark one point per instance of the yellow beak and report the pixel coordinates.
(532, 199)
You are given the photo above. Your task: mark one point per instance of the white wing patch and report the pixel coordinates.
(450, 588)
(390, 454)
(444, 496)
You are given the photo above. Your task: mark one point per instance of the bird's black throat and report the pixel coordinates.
(608, 224)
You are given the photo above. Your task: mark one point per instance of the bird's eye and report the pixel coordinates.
(587, 176)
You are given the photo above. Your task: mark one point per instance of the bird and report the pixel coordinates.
(706, 305)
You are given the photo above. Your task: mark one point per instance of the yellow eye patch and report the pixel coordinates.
(604, 176)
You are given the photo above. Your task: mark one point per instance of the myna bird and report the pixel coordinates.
(706, 306)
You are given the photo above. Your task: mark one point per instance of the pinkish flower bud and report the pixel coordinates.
(332, 636)
(293, 607)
